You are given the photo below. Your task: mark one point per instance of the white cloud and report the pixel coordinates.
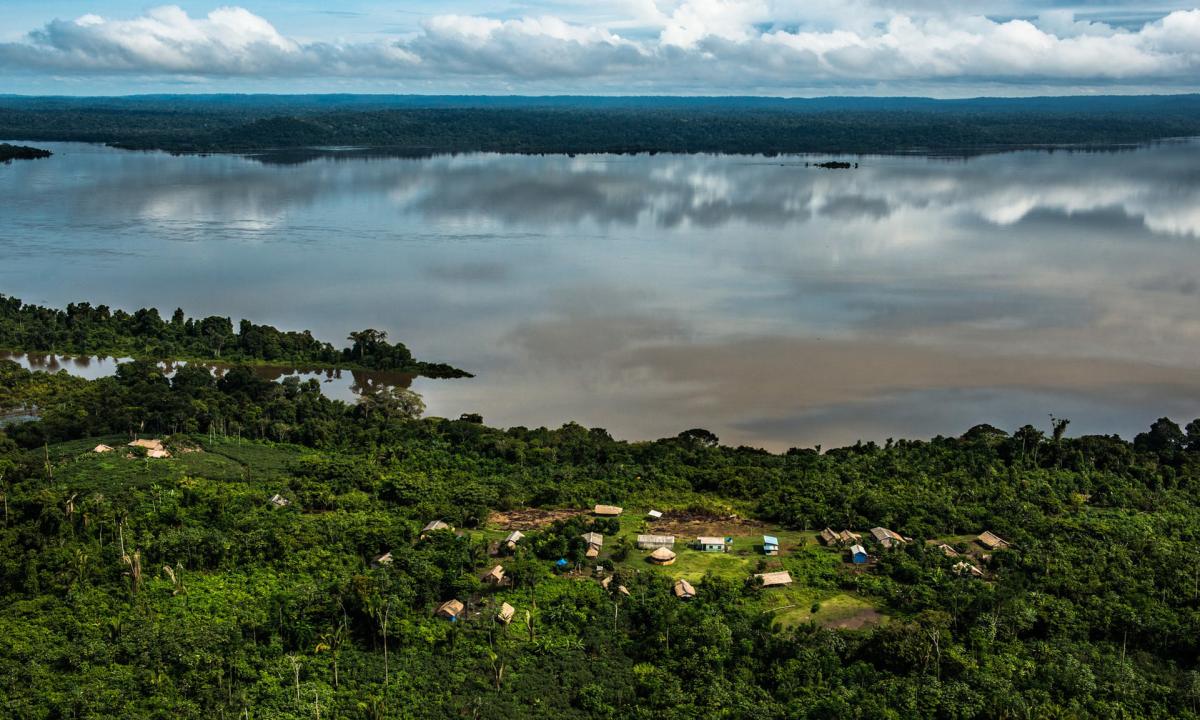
(717, 45)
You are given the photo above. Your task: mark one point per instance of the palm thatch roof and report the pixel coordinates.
(436, 525)
(147, 444)
(102, 449)
(662, 556)
(774, 579)
(450, 609)
(607, 510)
(506, 613)
(992, 541)
(684, 590)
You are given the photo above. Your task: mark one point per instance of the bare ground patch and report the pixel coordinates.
(678, 522)
(867, 617)
(528, 518)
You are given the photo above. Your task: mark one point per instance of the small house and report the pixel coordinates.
(607, 510)
(770, 545)
(279, 501)
(886, 538)
(947, 550)
(684, 590)
(775, 579)
(654, 515)
(606, 582)
(836, 538)
(858, 554)
(594, 541)
(506, 613)
(158, 454)
(621, 589)
(102, 449)
(384, 559)
(433, 525)
(653, 542)
(511, 540)
(662, 556)
(495, 576)
(829, 537)
(963, 567)
(450, 610)
(992, 541)
(146, 444)
(848, 538)
(712, 544)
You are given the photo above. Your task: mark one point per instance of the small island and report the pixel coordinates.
(8, 153)
(84, 329)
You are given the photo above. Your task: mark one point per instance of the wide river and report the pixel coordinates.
(775, 304)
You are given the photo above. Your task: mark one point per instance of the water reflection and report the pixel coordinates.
(344, 385)
(773, 303)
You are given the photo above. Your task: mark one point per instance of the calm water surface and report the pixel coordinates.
(774, 304)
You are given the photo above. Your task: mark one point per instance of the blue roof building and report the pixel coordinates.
(770, 545)
(858, 554)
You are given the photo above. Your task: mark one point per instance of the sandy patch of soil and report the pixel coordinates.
(867, 617)
(685, 524)
(528, 518)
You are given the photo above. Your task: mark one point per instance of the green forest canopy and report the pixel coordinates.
(142, 588)
(82, 329)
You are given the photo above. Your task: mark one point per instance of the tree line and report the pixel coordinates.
(84, 329)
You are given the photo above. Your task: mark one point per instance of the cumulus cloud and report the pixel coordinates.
(701, 44)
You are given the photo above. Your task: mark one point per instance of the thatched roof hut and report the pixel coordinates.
(829, 537)
(102, 449)
(506, 613)
(436, 525)
(684, 590)
(147, 444)
(775, 579)
(280, 501)
(623, 590)
(606, 582)
(158, 454)
(947, 550)
(992, 541)
(593, 538)
(886, 538)
(384, 559)
(495, 576)
(662, 556)
(514, 537)
(607, 510)
(450, 609)
(963, 567)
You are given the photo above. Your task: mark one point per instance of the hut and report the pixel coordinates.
(594, 541)
(433, 525)
(607, 510)
(654, 515)
(450, 610)
(848, 538)
(886, 538)
(102, 449)
(712, 544)
(770, 545)
(662, 556)
(606, 582)
(621, 589)
(279, 501)
(158, 454)
(384, 559)
(835, 538)
(775, 579)
(506, 613)
(992, 541)
(653, 542)
(829, 537)
(495, 576)
(146, 444)
(858, 554)
(684, 590)
(511, 540)
(947, 550)
(963, 567)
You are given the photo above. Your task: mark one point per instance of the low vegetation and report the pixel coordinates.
(8, 153)
(137, 587)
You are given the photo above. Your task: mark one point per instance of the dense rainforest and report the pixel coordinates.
(82, 329)
(8, 153)
(425, 125)
(277, 565)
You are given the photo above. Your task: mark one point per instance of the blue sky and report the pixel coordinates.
(758, 47)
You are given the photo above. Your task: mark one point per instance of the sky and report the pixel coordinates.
(937, 48)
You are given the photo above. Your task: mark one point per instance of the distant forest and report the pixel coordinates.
(84, 329)
(8, 153)
(428, 125)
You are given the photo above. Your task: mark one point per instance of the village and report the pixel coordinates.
(770, 562)
(797, 576)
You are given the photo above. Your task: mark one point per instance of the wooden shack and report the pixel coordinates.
(450, 610)
(775, 579)
(684, 590)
